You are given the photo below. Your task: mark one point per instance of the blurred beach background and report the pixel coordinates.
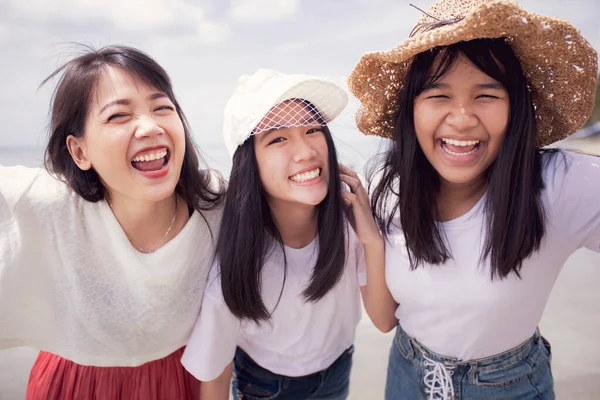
(205, 46)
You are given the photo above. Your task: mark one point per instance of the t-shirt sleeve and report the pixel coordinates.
(214, 339)
(573, 184)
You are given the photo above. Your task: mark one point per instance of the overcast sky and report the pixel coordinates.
(206, 45)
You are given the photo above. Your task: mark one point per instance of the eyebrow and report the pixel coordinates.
(490, 85)
(264, 134)
(306, 121)
(125, 102)
(436, 85)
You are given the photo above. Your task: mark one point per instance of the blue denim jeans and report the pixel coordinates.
(415, 372)
(253, 382)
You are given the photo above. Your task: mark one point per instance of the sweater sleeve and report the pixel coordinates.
(15, 185)
(26, 196)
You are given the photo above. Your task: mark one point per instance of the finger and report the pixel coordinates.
(356, 187)
(348, 171)
(349, 198)
(350, 181)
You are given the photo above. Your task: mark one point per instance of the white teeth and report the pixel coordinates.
(459, 154)
(306, 176)
(151, 157)
(460, 142)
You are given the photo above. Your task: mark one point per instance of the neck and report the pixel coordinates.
(146, 223)
(455, 200)
(296, 223)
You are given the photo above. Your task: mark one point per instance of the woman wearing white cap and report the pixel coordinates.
(479, 219)
(282, 302)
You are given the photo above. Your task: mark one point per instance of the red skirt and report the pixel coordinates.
(55, 378)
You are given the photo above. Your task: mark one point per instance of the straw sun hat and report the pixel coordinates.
(560, 65)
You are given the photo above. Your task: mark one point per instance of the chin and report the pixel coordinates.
(458, 178)
(311, 200)
(159, 193)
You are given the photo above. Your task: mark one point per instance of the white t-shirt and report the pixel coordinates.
(456, 310)
(72, 284)
(301, 337)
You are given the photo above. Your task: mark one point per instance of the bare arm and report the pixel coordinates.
(378, 300)
(217, 389)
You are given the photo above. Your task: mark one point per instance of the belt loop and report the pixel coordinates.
(411, 345)
(404, 342)
(472, 370)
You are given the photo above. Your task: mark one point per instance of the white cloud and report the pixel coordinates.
(263, 10)
(3, 33)
(125, 14)
(212, 32)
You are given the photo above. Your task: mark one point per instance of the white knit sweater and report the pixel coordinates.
(72, 284)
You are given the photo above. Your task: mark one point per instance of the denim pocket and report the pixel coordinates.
(502, 376)
(251, 388)
(509, 373)
(257, 390)
(253, 382)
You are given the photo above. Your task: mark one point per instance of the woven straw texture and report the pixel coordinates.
(560, 65)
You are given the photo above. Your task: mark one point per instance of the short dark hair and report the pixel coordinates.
(408, 185)
(69, 109)
(248, 235)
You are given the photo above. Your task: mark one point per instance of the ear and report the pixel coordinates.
(78, 152)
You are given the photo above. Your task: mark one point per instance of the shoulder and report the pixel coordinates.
(567, 174)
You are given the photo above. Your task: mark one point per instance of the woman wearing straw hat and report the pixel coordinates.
(478, 218)
(282, 303)
(104, 257)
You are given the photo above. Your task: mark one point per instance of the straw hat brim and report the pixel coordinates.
(560, 66)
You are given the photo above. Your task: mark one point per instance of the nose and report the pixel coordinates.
(303, 151)
(147, 127)
(461, 117)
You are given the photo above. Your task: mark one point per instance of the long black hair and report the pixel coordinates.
(70, 103)
(248, 235)
(408, 184)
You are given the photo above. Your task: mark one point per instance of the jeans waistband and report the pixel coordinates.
(244, 358)
(410, 345)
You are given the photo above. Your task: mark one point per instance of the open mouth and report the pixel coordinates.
(154, 160)
(306, 176)
(460, 148)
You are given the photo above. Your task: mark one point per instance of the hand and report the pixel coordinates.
(359, 208)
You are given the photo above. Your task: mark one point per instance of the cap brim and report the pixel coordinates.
(329, 98)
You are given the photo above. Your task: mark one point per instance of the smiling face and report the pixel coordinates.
(293, 160)
(133, 138)
(460, 122)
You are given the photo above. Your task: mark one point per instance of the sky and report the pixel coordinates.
(206, 45)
